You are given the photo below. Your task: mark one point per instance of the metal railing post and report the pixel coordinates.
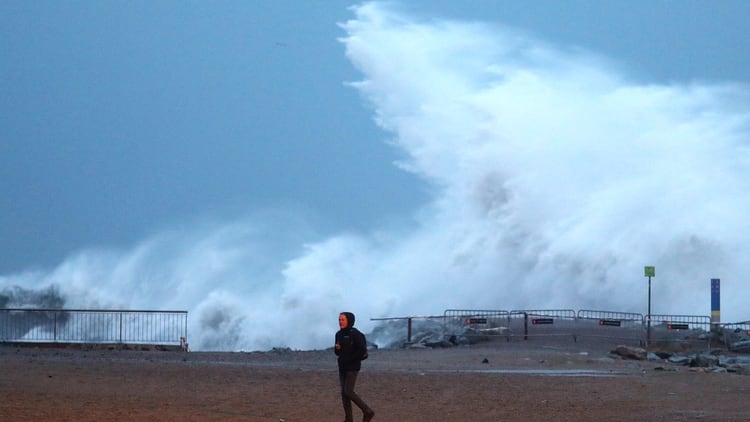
(525, 326)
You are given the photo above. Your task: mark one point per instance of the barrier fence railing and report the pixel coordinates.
(410, 320)
(626, 326)
(736, 335)
(542, 322)
(93, 326)
(664, 329)
(476, 322)
(592, 324)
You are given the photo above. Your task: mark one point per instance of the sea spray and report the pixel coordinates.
(554, 178)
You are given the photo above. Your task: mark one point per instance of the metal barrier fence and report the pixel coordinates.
(736, 336)
(93, 326)
(665, 329)
(476, 322)
(594, 325)
(410, 320)
(625, 326)
(544, 322)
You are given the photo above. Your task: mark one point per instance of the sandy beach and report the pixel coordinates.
(490, 382)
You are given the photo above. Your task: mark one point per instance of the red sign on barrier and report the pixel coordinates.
(678, 326)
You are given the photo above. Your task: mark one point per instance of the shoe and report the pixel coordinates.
(367, 417)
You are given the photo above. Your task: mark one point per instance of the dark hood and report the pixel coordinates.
(349, 318)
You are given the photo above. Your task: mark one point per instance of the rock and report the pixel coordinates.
(679, 360)
(629, 352)
(663, 355)
(653, 357)
(438, 344)
(737, 368)
(740, 346)
(704, 361)
(459, 340)
(735, 360)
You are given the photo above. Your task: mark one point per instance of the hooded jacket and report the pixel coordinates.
(353, 346)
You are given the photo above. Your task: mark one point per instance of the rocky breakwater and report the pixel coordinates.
(700, 361)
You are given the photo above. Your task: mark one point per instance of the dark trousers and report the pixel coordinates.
(347, 380)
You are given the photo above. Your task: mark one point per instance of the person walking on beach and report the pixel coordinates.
(351, 349)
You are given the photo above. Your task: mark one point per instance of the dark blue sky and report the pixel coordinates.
(118, 119)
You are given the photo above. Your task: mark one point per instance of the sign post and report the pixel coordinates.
(649, 271)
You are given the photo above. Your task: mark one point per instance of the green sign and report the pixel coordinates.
(649, 271)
